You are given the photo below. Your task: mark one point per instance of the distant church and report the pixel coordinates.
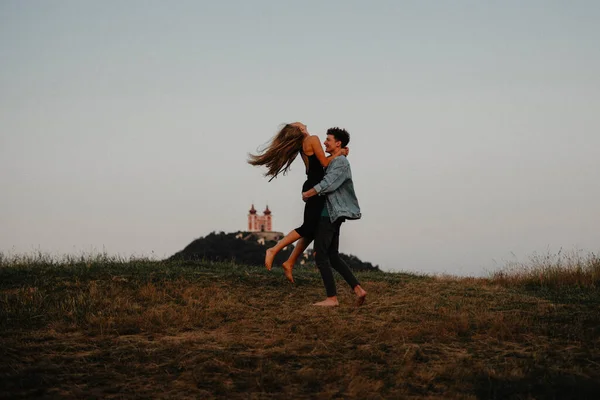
(259, 223)
(261, 226)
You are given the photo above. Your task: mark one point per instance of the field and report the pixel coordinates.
(97, 327)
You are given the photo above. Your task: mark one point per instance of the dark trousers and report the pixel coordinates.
(327, 243)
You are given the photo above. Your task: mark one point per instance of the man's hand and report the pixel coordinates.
(345, 151)
(308, 194)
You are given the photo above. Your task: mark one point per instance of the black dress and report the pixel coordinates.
(314, 205)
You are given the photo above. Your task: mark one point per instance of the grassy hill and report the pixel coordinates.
(105, 328)
(231, 247)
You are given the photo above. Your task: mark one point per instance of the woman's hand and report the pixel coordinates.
(344, 151)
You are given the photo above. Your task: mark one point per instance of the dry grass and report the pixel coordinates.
(141, 329)
(571, 269)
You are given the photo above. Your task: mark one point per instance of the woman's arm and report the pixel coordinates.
(315, 144)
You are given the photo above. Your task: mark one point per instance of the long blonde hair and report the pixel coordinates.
(279, 154)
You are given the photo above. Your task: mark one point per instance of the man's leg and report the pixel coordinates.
(341, 267)
(323, 238)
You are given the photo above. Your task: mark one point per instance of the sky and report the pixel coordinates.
(475, 126)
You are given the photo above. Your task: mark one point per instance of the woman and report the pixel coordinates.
(277, 157)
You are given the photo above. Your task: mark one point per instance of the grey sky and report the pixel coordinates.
(125, 125)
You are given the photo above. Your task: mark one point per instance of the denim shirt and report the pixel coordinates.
(338, 187)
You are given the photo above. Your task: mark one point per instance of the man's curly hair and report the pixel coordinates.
(340, 134)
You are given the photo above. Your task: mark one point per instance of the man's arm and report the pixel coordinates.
(336, 174)
(309, 193)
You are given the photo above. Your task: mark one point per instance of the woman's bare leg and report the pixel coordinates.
(288, 265)
(286, 241)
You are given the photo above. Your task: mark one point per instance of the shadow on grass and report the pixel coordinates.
(538, 385)
(582, 296)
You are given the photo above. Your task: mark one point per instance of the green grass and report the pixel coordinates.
(97, 326)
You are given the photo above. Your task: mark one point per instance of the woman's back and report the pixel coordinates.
(314, 170)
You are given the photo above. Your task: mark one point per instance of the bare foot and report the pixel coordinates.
(269, 257)
(287, 270)
(329, 302)
(361, 295)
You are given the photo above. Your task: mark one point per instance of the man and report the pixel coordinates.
(341, 204)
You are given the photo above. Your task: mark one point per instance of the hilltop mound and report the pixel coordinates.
(249, 249)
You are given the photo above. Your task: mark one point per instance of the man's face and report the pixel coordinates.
(331, 145)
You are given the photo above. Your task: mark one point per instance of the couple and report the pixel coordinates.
(329, 196)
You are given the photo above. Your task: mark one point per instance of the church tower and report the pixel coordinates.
(252, 226)
(267, 218)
